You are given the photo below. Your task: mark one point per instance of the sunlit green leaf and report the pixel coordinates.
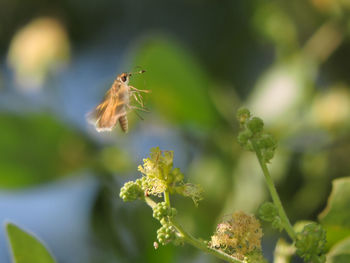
(25, 247)
(336, 216)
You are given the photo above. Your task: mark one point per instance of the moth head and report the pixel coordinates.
(124, 77)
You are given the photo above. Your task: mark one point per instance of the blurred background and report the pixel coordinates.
(288, 61)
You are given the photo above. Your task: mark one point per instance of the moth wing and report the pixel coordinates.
(91, 117)
(109, 118)
(105, 117)
(107, 113)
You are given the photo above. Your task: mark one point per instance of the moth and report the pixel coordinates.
(116, 104)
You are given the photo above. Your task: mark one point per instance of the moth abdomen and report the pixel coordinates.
(123, 121)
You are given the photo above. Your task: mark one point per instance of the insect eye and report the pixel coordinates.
(124, 78)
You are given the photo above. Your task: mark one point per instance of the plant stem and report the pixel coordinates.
(201, 245)
(275, 198)
(324, 41)
(150, 202)
(167, 198)
(187, 237)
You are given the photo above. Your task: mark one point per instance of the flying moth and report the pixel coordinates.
(116, 104)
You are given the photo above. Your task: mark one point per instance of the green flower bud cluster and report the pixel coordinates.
(267, 145)
(132, 191)
(160, 179)
(269, 213)
(166, 233)
(253, 132)
(310, 243)
(160, 176)
(161, 210)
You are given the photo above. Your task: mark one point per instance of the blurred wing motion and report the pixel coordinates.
(111, 109)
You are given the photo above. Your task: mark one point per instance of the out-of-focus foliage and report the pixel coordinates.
(340, 253)
(331, 109)
(38, 148)
(36, 50)
(179, 85)
(113, 159)
(281, 91)
(26, 248)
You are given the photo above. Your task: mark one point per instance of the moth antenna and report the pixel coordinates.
(140, 69)
(137, 72)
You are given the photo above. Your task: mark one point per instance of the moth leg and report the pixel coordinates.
(138, 98)
(138, 115)
(139, 90)
(138, 108)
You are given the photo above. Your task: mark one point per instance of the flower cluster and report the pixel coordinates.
(239, 237)
(269, 213)
(159, 176)
(132, 191)
(253, 137)
(161, 210)
(311, 242)
(166, 234)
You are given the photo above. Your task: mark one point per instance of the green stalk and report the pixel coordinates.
(201, 245)
(167, 198)
(275, 198)
(150, 202)
(187, 237)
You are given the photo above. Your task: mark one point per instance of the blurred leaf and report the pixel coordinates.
(331, 109)
(314, 168)
(340, 253)
(276, 25)
(115, 160)
(178, 84)
(336, 216)
(247, 179)
(280, 92)
(210, 173)
(299, 225)
(26, 248)
(35, 149)
(283, 251)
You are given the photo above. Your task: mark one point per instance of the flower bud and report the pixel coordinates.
(310, 243)
(131, 191)
(242, 115)
(256, 125)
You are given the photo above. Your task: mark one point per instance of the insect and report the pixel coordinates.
(116, 104)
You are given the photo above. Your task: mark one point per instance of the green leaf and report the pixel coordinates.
(25, 247)
(340, 253)
(336, 216)
(179, 85)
